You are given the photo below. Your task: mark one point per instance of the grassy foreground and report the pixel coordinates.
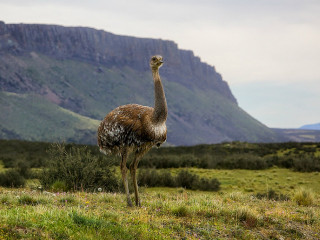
(169, 213)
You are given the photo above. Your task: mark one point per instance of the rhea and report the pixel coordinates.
(135, 129)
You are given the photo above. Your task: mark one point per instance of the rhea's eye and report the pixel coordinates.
(154, 58)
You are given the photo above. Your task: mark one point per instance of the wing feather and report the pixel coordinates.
(124, 126)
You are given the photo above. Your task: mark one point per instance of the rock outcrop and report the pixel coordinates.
(104, 48)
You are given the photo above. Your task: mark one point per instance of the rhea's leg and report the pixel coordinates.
(124, 170)
(133, 170)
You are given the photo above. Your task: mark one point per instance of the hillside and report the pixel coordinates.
(58, 82)
(299, 135)
(315, 126)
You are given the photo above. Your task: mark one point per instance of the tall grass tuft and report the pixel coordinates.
(27, 200)
(304, 197)
(181, 211)
(247, 216)
(273, 195)
(85, 221)
(236, 196)
(67, 200)
(4, 200)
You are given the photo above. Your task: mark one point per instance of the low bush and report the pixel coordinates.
(77, 169)
(12, 178)
(23, 169)
(59, 186)
(306, 163)
(205, 184)
(184, 179)
(152, 178)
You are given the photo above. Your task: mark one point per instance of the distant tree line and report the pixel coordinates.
(73, 168)
(304, 157)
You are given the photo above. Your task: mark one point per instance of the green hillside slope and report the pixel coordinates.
(54, 71)
(195, 115)
(31, 117)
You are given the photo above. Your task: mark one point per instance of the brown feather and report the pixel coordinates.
(130, 126)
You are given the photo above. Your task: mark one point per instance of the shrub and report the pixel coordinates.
(205, 184)
(152, 178)
(149, 178)
(306, 163)
(12, 178)
(59, 186)
(77, 169)
(23, 169)
(304, 197)
(186, 179)
(167, 179)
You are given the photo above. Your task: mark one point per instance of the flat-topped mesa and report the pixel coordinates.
(103, 48)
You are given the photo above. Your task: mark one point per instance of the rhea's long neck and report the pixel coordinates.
(160, 104)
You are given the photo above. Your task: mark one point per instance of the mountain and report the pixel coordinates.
(299, 135)
(58, 83)
(315, 126)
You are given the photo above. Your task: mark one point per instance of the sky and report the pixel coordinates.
(267, 50)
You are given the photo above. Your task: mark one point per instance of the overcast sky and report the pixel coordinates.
(267, 50)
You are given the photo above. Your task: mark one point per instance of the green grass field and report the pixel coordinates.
(235, 212)
(283, 180)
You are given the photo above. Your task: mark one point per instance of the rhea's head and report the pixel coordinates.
(156, 61)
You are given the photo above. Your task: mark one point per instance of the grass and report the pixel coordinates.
(304, 197)
(254, 181)
(168, 213)
(27, 106)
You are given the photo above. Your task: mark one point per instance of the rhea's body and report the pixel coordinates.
(130, 126)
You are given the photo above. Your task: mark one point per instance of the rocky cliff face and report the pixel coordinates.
(107, 49)
(57, 83)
